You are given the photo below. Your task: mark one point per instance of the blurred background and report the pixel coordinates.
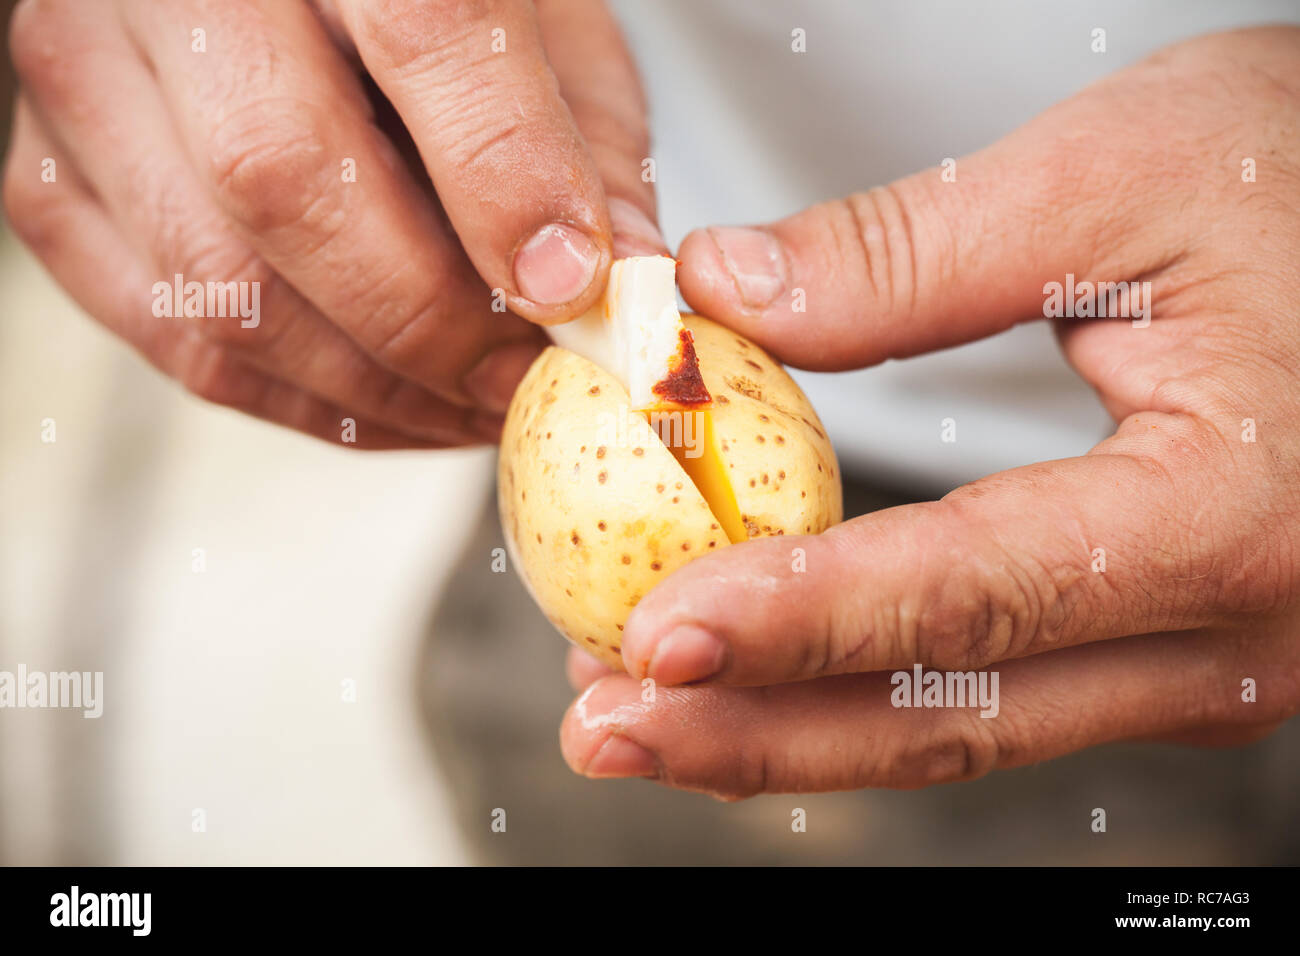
(325, 569)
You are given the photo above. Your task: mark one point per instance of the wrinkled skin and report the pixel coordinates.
(1137, 178)
(229, 165)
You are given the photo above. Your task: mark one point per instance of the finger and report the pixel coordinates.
(582, 669)
(73, 236)
(1134, 537)
(474, 87)
(115, 125)
(930, 261)
(599, 82)
(282, 135)
(848, 732)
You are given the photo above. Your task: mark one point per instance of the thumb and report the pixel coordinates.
(948, 255)
(473, 85)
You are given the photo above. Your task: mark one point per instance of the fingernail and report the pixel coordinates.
(620, 757)
(634, 233)
(687, 654)
(754, 261)
(491, 383)
(555, 265)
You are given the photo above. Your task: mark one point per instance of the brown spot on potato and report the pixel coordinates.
(590, 640)
(764, 479)
(753, 364)
(600, 525)
(638, 452)
(575, 539)
(780, 439)
(594, 390)
(722, 399)
(764, 418)
(627, 559)
(746, 387)
(655, 566)
(781, 474)
(600, 452)
(761, 440)
(686, 546)
(659, 488)
(602, 476)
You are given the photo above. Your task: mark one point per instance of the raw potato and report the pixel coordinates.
(596, 510)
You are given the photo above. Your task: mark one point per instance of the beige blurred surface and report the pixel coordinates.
(223, 689)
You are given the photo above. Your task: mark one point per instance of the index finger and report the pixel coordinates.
(474, 88)
(1134, 538)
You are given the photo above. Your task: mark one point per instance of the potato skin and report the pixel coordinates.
(596, 510)
(781, 462)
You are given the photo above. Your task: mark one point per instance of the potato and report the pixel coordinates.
(596, 508)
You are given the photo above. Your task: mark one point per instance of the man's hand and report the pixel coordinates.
(1195, 501)
(236, 141)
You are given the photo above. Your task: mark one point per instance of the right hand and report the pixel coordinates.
(228, 164)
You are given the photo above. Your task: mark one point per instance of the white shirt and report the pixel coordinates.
(747, 131)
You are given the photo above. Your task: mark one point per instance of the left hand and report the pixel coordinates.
(1140, 179)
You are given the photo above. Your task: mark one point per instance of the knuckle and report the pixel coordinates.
(37, 30)
(960, 748)
(749, 777)
(215, 376)
(229, 273)
(407, 341)
(271, 171)
(413, 34)
(485, 139)
(1231, 555)
(984, 607)
(228, 267)
(877, 230)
